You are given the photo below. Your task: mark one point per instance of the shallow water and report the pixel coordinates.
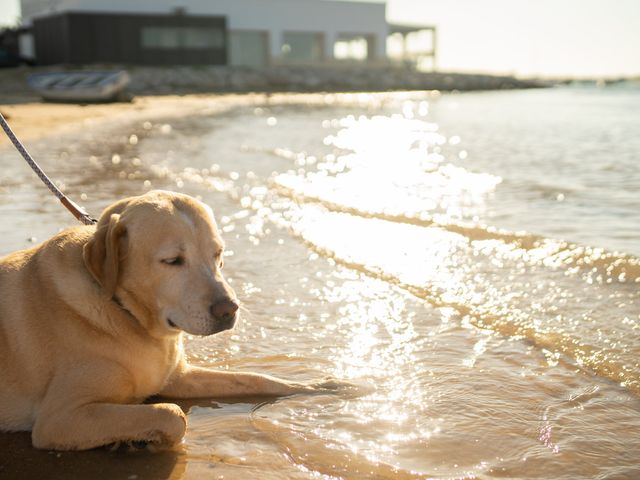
(473, 257)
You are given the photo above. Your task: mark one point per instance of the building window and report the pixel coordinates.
(351, 48)
(248, 48)
(301, 47)
(172, 38)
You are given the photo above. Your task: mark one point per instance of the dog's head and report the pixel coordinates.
(160, 256)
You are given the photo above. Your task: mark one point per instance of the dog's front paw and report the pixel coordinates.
(169, 423)
(131, 446)
(154, 441)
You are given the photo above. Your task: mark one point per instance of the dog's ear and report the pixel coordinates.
(102, 253)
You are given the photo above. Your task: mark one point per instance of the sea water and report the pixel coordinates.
(473, 258)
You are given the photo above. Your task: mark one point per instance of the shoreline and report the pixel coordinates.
(34, 120)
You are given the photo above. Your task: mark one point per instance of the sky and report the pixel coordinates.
(577, 38)
(580, 38)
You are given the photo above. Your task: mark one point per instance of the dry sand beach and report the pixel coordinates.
(32, 119)
(473, 257)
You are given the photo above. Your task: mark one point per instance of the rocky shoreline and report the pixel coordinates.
(214, 79)
(311, 79)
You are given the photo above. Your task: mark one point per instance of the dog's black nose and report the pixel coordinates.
(224, 309)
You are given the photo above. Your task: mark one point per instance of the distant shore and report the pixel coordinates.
(223, 79)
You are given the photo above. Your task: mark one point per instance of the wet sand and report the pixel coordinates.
(19, 460)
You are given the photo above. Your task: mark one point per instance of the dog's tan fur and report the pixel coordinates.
(85, 334)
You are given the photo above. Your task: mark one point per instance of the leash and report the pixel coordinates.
(75, 210)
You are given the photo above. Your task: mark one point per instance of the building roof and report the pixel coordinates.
(408, 28)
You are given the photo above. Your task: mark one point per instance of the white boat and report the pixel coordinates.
(89, 86)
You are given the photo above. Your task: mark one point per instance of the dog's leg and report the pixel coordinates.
(193, 382)
(97, 424)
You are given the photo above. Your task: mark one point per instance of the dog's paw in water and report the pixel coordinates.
(334, 385)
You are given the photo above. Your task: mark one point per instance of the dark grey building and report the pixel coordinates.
(176, 39)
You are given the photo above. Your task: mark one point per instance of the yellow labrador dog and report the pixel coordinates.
(91, 324)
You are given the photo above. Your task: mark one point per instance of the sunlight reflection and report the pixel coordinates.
(395, 168)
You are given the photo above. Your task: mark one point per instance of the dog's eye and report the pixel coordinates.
(219, 260)
(174, 261)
